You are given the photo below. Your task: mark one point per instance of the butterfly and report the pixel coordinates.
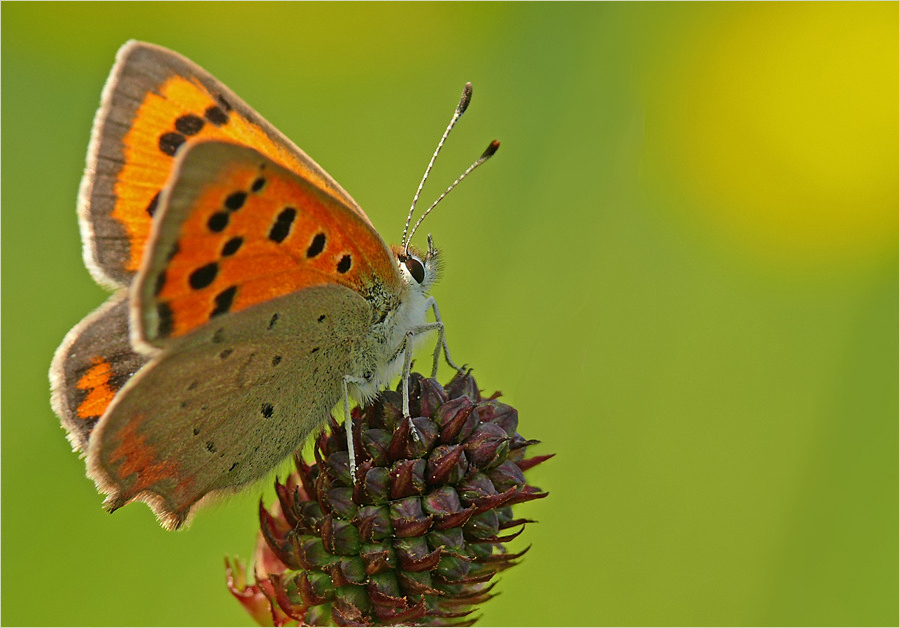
(251, 294)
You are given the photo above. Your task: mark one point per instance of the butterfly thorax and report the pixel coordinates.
(394, 316)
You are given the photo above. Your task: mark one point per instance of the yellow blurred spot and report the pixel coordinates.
(784, 125)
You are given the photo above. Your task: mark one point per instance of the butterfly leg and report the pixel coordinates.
(442, 339)
(348, 422)
(407, 349)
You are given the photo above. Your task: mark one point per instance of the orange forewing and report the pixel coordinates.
(155, 103)
(181, 103)
(252, 232)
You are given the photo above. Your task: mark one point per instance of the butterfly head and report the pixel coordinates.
(419, 270)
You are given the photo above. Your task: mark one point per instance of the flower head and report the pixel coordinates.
(418, 537)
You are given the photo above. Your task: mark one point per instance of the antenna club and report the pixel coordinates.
(492, 148)
(465, 100)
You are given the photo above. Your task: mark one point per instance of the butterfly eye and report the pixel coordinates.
(416, 268)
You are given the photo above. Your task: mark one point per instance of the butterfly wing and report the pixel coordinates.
(90, 366)
(256, 296)
(222, 406)
(154, 102)
(235, 230)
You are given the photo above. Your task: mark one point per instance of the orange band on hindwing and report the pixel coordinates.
(91, 366)
(96, 383)
(135, 464)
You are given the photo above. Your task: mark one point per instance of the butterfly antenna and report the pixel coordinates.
(460, 109)
(487, 154)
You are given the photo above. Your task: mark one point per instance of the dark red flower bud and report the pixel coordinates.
(340, 536)
(476, 486)
(389, 410)
(493, 411)
(453, 568)
(339, 467)
(450, 540)
(341, 502)
(407, 478)
(444, 505)
(315, 588)
(313, 552)
(463, 385)
(378, 557)
(447, 464)
(506, 475)
(384, 589)
(425, 395)
(408, 519)
(378, 484)
(423, 440)
(375, 523)
(456, 420)
(376, 443)
(488, 446)
(483, 525)
(353, 569)
(431, 397)
(442, 501)
(413, 554)
(352, 603)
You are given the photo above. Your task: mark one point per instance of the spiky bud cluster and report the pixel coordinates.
(417, 538)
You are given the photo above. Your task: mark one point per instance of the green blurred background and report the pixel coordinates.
(681, 267)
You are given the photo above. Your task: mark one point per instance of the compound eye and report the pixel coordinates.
(416, 268)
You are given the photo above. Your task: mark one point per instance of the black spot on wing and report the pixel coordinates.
(151, 207)
(231, 247)
(282, 227)
(169, 143)
(217, 222)
(316, 246)
(216, 116)
(235, 201)
(223, 301)
(203, 276)
(160, 282)
(189, 124)
(166, 321)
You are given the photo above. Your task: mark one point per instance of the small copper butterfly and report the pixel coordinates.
(252, 293)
